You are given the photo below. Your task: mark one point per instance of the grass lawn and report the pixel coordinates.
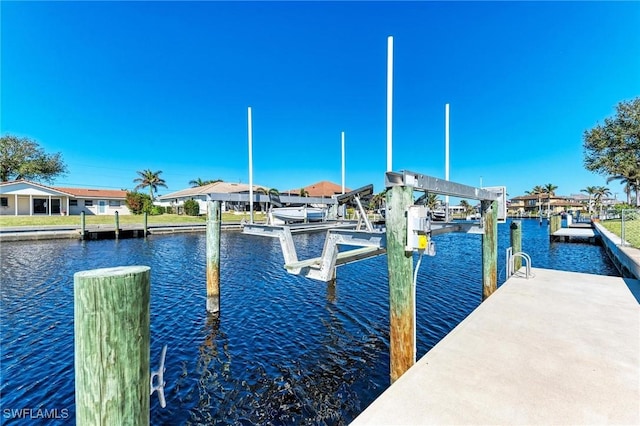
(631, 230)
(124, 219)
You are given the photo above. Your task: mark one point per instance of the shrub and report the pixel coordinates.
(137, 202)
(191, 208)
(157, 210)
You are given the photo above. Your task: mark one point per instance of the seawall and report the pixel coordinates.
(626, 259)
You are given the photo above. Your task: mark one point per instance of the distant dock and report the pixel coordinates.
(572, 234)
(558, 348)
(102, 232)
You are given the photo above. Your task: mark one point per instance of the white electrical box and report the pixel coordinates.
(417, 228)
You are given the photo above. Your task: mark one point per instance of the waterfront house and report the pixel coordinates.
(319, 189)
(26, 198)
(175, 200)
(532, 205)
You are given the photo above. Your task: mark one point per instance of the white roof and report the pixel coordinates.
(216, 187)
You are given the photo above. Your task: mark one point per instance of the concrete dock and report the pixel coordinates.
(558, 348)
(569, 234)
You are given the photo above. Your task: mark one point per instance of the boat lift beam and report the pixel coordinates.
(355, 196)
(425, 183)
(421, 182)
(323, 268)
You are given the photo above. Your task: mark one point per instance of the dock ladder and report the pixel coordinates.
(511, 257)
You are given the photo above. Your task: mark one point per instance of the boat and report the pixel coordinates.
(297, 214)
(439, 215)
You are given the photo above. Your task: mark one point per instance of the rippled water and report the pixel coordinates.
(285, 350)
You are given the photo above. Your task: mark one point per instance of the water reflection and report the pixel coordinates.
(285, 350)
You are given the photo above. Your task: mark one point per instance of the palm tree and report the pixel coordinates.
(378, 200)
(304, 192)
(199, 182)
(631, 181)
(149, 179)
(432, 201)
(468, 208)
(600, 193)
(537, 190)
(549, 189)
(591, 190)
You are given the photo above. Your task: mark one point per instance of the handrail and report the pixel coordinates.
(511, 264)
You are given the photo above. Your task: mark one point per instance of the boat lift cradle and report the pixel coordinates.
(372, 242)
(369, 242)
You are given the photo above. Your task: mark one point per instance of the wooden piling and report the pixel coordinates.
(213, 256)
(111, 324)
(489, 248)
(516, 243)
(83, 226)
(555, 223)
(144, 224)
(117, 219)
(401, 294)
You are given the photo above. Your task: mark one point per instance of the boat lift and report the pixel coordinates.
(368, 242)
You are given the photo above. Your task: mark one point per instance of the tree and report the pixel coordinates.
(549, 189)
(600, 192)
(468, 208)
(304, 192)
(613, 148)
(631, 182)
(378, 200)
(149, 179)
(191, 208)
(199, 182)
(591, 190)
(138, 203)
(537, 190)
(431, 201)
(23, 158)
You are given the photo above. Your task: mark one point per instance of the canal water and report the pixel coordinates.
(285, 350)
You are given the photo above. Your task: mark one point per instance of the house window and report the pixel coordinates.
(73, 203)
(4, 202)
(114, 203)
(88, 203)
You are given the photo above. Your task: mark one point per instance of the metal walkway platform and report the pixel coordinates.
(558, 348)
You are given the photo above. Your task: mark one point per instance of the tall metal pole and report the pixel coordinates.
(250, 165)
(446, 156)
(389, 100)
(343, 163)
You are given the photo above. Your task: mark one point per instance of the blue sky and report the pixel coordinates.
(118, 87)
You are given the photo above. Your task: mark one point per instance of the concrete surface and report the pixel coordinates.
(559, 348)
